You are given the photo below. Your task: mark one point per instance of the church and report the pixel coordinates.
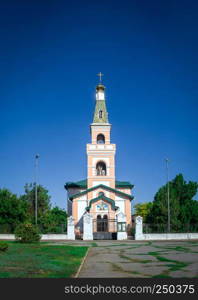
(100, 194)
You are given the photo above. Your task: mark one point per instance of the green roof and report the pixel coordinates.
(125, 184)
(103, 197)
(102, 186)
(77, 184)
(83, 184)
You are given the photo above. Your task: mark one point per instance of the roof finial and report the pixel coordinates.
(100, 76)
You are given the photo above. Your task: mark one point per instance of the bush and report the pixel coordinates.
(3, 246)
(27, 233)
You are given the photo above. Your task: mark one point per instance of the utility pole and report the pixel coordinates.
(36, 193)
(168, 192)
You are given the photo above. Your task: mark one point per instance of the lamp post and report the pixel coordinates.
(36, 193)
(168, 192)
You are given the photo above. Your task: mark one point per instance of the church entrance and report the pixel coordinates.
(104, 228)
(102, 223)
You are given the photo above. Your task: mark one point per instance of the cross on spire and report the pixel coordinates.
(100, 76)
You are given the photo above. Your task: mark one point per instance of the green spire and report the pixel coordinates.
(100, 113)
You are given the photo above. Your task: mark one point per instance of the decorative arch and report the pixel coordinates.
(100, 139)
(101, 169)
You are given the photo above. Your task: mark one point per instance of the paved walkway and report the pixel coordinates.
(140, 259)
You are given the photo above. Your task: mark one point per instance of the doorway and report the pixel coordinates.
(102, 223)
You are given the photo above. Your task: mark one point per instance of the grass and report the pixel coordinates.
(94, 244)
(40, 260)
(173, 265)
(135, 260)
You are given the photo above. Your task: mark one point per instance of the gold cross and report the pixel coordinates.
(100, 76)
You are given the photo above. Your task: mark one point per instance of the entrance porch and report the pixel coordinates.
(104, 228)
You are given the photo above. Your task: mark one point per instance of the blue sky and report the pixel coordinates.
(51, 52)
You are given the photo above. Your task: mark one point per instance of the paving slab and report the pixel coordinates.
(134, 259)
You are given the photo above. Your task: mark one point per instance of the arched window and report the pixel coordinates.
(100, 114)
(101, 169)
(102, 223)
(100, 139)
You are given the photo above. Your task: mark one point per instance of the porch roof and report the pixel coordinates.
(104, 187)
(102, 197)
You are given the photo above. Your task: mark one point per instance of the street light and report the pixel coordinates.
(36, 194)
(168, 192)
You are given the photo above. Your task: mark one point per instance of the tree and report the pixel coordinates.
(55, 221)
(50, 220)
(18, 210)
(183, 209)
(43, 201)
(13, 210)
(143, 209)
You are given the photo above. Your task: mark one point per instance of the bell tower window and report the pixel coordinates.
(101, 169)
(100, 114)
(100, 139)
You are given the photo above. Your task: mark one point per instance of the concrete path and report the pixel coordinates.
(140, 259)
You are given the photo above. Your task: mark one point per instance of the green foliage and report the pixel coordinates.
(3, 246)
(50, 220)
(143, 209)
(54, 221)
(27, 233)
(13, 211)
(43, 201)
(183, 209)
(17, 210)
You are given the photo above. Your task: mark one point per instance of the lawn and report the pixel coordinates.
(40, 260)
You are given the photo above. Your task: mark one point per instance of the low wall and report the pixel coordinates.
(6, 236)
(166, 236)
(44, 237)
(54, 237)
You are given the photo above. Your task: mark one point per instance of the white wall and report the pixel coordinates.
(7, 236)
(82, 204)
(121, 205)
(167, 236)
(43, 237)
(54, 237)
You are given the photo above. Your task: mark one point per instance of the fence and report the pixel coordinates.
(160, 232)
(163, 228)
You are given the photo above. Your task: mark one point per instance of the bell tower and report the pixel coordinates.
(100, 153)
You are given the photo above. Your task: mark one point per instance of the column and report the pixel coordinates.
(138, 228)
(87, 227)
(121, 227)
(70, 228)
